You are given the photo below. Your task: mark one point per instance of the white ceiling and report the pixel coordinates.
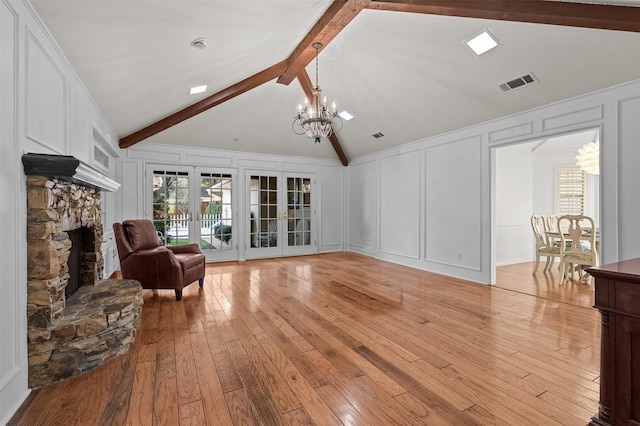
(406, 75)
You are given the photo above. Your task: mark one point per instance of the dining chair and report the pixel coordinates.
(552, 226)
(577, 246)
(543, 247)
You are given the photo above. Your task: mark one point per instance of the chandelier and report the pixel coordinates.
(314, 118)
(588, 158)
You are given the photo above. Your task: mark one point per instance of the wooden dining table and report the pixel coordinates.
(586, 236)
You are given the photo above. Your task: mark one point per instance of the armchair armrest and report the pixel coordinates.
(187, 248)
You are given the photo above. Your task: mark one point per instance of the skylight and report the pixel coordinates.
(197, 89)
(345, 115)
(482, 43)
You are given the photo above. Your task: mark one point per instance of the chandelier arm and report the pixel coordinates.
(293, 127)
(339, 120)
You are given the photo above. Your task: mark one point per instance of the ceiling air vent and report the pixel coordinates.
(377, 135)
(519, 82)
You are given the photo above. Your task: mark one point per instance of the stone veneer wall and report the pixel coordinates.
(64, 337)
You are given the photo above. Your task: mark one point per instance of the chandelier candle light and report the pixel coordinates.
(314, 118)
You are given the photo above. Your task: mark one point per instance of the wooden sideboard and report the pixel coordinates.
(617, 297)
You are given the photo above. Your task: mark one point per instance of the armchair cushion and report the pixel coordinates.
(142, 234)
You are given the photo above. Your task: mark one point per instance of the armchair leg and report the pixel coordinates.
(201, 282)
(178, 295)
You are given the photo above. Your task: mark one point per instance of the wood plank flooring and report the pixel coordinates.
(343, 339)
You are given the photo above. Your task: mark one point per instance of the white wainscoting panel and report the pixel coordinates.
(45, 106)
(573, 118)
(363, 209)
(629, 153)
(453, 203)
(132, 196)
(520, 130)
(156, 156)
(400, 200)
(209, 160)
(331, 217)
(80, 129)
(257, 164)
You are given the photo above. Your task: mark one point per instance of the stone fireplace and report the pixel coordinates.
(71, 335)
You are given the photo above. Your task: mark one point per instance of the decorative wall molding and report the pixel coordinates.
(573, 118)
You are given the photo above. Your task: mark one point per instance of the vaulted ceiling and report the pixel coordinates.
(400, 66)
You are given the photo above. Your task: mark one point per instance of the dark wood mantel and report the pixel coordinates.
(618, 300)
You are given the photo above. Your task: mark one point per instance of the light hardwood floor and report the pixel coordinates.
(345, 339)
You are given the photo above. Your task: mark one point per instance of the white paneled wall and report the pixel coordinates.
(13, 304)
(44, 108)
(460, 219)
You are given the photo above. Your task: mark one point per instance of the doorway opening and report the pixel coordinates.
(533, 177)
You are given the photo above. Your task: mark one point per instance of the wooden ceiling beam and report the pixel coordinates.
(307, 86)
(336, 17)
(209, 102)
(587, 15)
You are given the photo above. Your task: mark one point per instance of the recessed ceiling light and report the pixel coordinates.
(482, 43)
(197, 89)
(345, 116)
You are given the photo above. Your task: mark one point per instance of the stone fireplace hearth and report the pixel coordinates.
(68, 336)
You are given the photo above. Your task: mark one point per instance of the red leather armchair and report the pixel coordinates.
(155, 266)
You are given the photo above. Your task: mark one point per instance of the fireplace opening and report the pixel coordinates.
(81, 262)
(74, 261)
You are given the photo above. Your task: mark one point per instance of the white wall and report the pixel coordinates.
(457, 201)
(44, 108)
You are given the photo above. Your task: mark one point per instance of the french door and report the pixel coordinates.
(194, 205)
(280, 214)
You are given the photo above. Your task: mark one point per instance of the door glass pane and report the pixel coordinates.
(298, 211)
(171, 206)
(263, 206)
(215, 208)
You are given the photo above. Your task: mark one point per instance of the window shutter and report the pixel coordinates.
(571, 190)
